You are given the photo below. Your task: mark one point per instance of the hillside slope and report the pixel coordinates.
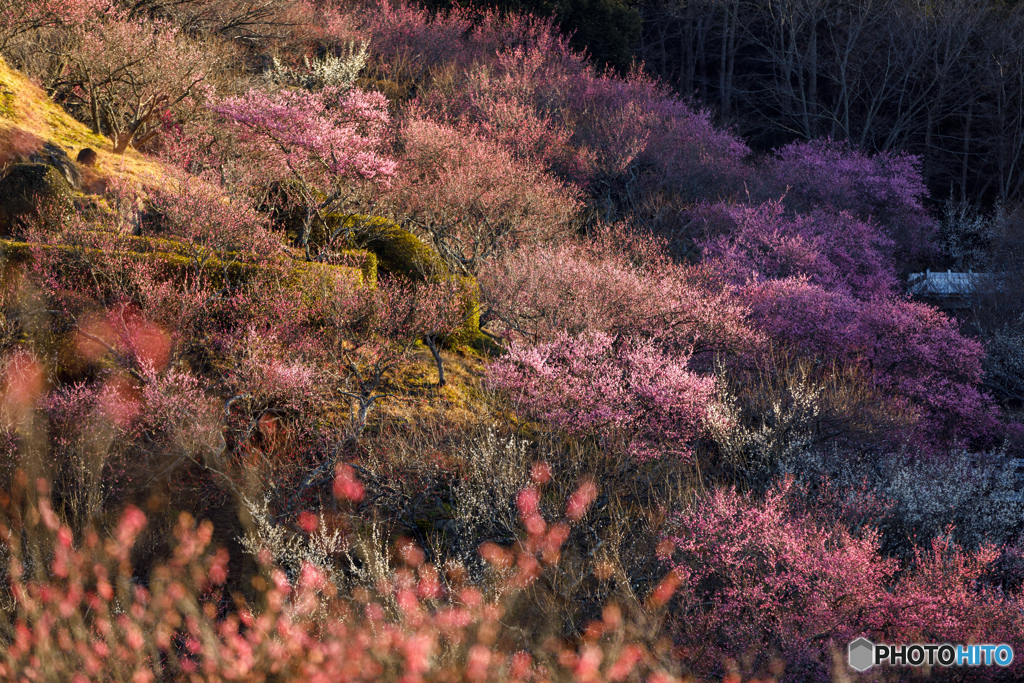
(29, 119)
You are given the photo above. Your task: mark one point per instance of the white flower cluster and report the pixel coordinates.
(329, 71)
(497, 468)
(289, 549)
(970, 497)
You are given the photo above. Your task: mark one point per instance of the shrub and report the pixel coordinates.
(886, 188)
(400, 253)
(627, 392)
(77, 609)
(1004, 361)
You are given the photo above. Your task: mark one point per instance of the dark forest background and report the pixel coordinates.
(943, 80)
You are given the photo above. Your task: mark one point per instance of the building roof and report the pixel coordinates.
(932, 284)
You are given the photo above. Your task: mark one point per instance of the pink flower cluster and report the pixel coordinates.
(324, 139)
(771, 576)
(82, 614)
(625, 390)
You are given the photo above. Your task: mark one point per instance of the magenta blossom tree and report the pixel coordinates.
(910, 350)
(886, 188)
(834, 250)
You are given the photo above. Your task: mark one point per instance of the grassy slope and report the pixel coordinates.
(28, 119)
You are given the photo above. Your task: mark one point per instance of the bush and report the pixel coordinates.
(398, 251)
(630, 395)
(782, 577)
(78, 609)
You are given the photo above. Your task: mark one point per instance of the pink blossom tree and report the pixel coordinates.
(616, 282)
(625, 391)
(19, 17)
(472, 198)
(327, 141)
(549, 104)
(759, 578)
(128, 77)
(779, 576)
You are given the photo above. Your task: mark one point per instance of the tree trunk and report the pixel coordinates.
(432, 345)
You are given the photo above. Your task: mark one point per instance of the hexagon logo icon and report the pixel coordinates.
(862, 654)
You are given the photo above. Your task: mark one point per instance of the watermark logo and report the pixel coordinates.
(863, 654)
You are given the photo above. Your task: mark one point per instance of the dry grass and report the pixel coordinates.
(28, 119)
(418, 401)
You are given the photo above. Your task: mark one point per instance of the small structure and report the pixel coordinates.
(949, 289)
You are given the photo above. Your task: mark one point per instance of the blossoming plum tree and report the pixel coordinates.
(778, 575)
(18, 17)
(834, 250)
(886, 188)
(472, 198)
(326, 141)
(628, 392)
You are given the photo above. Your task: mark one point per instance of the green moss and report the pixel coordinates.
(365, 261)
(352, 260)
(6, 103)
(32, 191)
(468, 333)
(399, 252)
(310, 278)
